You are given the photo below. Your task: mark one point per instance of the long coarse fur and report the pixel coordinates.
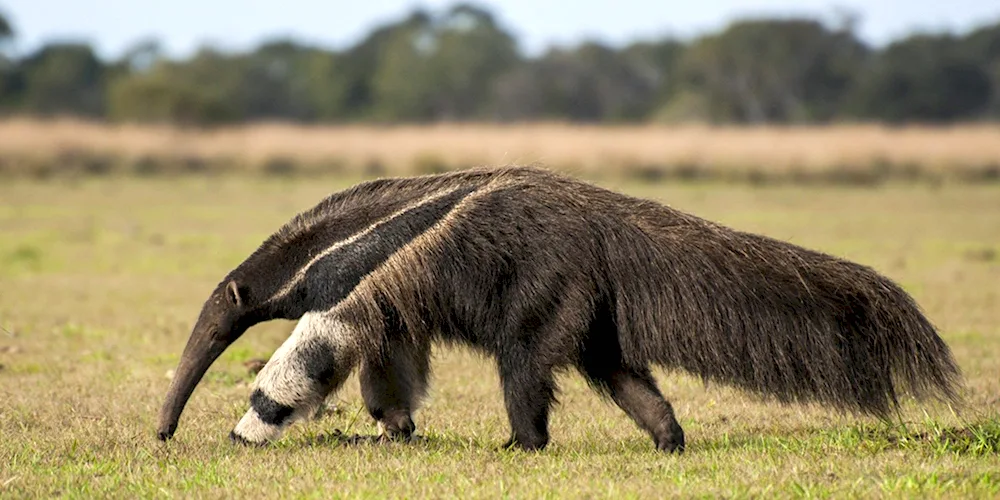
(583, 268)
(542, 272)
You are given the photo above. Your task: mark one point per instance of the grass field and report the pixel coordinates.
(101, 280)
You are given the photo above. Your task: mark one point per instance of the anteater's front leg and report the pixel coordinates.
(313, 362)
(392, 386)
(529, 390)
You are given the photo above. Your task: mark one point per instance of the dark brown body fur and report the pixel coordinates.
(542, 272)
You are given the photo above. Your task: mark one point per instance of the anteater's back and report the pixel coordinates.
(745, 309)
(764, 314)
(532, 249)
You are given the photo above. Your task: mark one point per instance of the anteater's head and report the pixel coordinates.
(223, 319)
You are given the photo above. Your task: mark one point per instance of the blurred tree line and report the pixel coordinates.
(460, 64)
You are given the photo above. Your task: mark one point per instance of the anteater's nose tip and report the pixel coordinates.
(165, 434)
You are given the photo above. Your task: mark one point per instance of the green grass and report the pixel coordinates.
(101, 279)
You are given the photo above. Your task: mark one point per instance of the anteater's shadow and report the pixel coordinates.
(339, 438)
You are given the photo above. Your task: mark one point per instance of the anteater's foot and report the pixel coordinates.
(252, 430)
(240, 440)
(536, 443)
(396, 426)
(670, 437)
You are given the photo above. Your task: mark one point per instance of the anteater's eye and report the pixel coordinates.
(233, 294)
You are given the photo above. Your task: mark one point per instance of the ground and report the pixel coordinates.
(102, 279)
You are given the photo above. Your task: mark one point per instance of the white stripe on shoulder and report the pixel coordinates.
(424, 238)
(301, 273)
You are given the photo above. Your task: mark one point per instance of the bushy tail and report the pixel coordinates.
(789, 323)
(888, 347)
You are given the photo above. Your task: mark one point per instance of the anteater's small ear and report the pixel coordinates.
(233, 294)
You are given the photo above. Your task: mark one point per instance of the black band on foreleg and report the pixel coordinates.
(270, 411)
(319, 362)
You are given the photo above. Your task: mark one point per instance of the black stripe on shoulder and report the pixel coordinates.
(270, 411)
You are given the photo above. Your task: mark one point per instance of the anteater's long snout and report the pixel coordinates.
(199, 354)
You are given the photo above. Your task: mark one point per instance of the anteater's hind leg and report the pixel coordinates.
(635, 392)
(393, 386)
(632, 388)
(313, 362)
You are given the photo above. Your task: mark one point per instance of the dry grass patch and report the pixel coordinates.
(844, 154)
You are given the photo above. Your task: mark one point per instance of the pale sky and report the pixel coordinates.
(184, 25)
